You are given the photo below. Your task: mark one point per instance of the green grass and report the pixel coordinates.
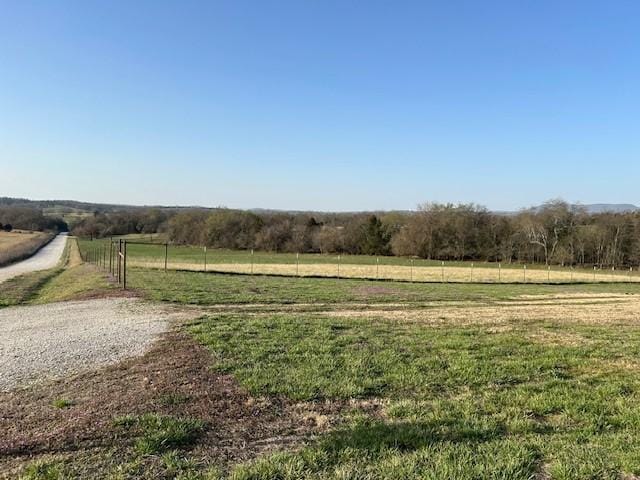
(54, 285)
(411, 400)
(44, 470)
(62, 403)
(210, 288)
(458, 401)
(25, 288)
(74, 282)
(160, 433)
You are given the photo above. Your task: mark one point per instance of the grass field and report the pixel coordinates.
(18, 245)
(358, 266)
(323, 378)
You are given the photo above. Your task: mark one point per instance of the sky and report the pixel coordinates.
(319, 104)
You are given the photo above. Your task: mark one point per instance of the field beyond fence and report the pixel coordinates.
(199, 259)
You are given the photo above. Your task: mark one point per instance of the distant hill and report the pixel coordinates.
(73, 207)
(611, 207)
(591, 208)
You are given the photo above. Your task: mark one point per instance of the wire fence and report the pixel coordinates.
(118, 255)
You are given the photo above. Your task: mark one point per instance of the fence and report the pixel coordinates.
(117, 256)
(110, 256)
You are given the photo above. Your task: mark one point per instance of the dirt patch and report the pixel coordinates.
(369, 290)
(173, 378)
(560, 338)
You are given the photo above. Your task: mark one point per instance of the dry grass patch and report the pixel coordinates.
(18, 245)
(622, 309)
(400, 272)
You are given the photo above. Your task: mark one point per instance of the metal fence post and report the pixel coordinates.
(119, 260)
(124, 266)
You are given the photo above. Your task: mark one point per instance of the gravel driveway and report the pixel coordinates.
(47, 341)
(47, 257)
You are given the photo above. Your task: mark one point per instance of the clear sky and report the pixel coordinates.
(317, 104)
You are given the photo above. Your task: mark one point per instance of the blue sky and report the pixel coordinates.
(326, 105)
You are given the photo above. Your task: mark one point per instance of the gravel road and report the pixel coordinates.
(47, 257)
(47, 341)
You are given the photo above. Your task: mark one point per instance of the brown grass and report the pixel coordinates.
(18, 245)
(417, 274)
(579, 309)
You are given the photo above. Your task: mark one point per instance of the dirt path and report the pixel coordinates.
(59, 339)
(47, 257)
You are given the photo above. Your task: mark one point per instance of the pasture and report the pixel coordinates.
(152, 256)
(326, 378)
(20, 244)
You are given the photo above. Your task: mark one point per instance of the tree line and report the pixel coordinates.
(556, 233)
(25, 218)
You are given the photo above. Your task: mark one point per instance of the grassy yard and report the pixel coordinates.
(512, 400)
(320, 378)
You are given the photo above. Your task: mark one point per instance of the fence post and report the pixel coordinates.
(377, 266)
(297, 263)
(124, 266)
(443, 271)
(499, 272)
(525, 274)
(111, 256)
(252, 261)
(205, 258)
(339, 259)
(471, 278)
(119, 261)
(549, 274)
(411, 274)
(571, 268)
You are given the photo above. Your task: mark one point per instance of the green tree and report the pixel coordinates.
(375, 239)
